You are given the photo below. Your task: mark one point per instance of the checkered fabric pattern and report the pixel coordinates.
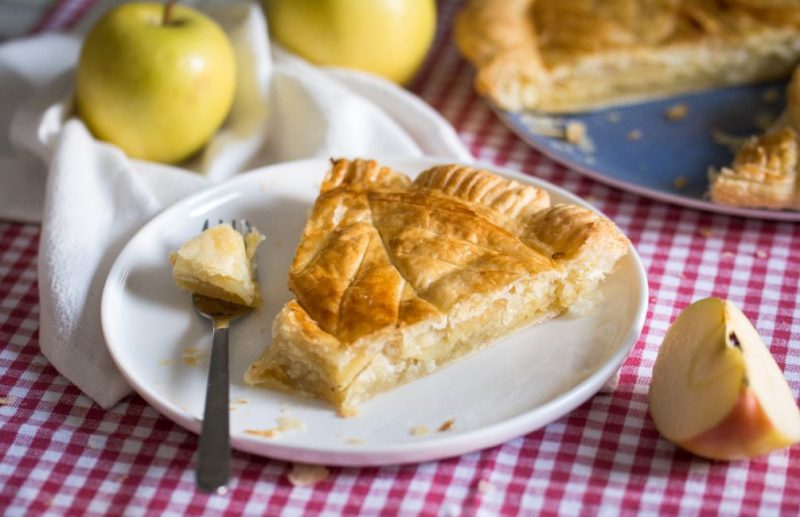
(61, 454)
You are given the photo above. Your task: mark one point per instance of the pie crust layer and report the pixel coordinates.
(764, 171)
(217, 264)
(395, 278)
(563, 56)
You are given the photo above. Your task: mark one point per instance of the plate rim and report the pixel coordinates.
(433, 447)
(518, 128)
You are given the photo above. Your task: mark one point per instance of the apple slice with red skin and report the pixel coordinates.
(717, 391)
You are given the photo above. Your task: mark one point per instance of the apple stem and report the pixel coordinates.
(168, 5)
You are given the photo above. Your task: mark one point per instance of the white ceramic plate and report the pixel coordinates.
(515, 387)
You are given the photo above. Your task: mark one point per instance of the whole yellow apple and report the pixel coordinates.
(716, 389)
(157, 80)
(386, 37)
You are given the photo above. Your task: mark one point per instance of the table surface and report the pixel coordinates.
(61, 453)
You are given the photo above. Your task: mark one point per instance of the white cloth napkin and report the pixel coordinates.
(90, 198)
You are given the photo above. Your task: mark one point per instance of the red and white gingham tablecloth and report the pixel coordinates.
(62, 454)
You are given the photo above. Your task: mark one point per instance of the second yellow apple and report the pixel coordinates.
(386, 37)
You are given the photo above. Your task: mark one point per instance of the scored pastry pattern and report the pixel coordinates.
(381, 253)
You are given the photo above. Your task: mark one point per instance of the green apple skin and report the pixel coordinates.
(157, 91)
(389, 38)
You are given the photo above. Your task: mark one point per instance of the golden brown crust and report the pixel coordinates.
(508, 198)
(393, 279)
(572, 55)
(763, 173)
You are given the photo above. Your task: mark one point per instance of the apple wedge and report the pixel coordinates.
(716, 390)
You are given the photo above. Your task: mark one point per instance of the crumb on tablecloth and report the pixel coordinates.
(485, 487)
(705, 232)
(303, 475)
(761, 254)
(677, 111)
(7, 401)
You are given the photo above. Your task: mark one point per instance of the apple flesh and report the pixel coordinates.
(717, 391)
(158, 88)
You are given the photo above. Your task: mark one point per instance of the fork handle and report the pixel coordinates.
(214, 450)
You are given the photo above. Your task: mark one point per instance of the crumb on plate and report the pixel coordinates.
(575, 132)
(635, 134)
(446, 426)
(420, 430)
(680, 182)
(677, 111)
(263, 433)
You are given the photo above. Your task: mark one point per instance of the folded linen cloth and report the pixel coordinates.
(92, 198)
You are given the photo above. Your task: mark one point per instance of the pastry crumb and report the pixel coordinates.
(677, 112)
(167, 362)
(761, 254)
(543, 125)
(263, 433)
(575, 132)
(446, 426)
(705, 232)
(635, 134)
(192, 356)
(420, 430)
(287, 424)
(348, 411)
(613, 117)
(485, 487)
(7, 401)
(680, 182)
(770, 95)
(303, 475)
(354, 441)
(728, 254)
(728, 140)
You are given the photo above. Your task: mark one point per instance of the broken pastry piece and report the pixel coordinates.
(218, 264)
(394, 279)
(566, 56)
(764, 171)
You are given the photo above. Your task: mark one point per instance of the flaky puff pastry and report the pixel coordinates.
(395, 278)
(764, 171)
(573, 55)
(218, 264)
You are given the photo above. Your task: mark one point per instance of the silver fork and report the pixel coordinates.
(213, 455)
